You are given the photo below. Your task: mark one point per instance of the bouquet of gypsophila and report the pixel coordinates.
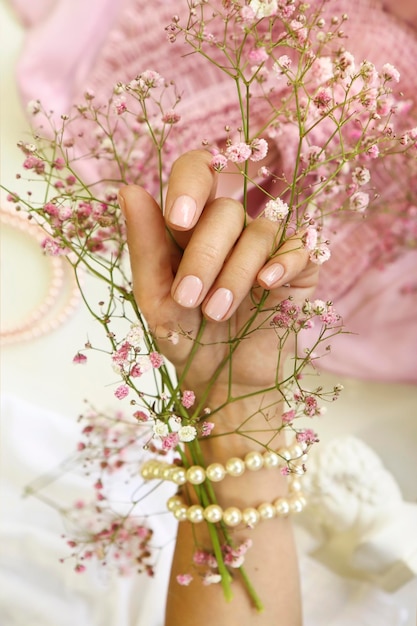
(293, 83)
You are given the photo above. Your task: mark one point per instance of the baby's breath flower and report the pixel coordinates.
(276, 210)
(238, 152)
(361, 176)
(160, 429)
(359, 201)
(389, 72)
(264, 8)
(259, 149)
(187, 433)
(184, 579)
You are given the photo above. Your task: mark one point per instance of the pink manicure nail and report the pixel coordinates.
(272, 274)
(188, 291)
(183, 212)
(219, 304)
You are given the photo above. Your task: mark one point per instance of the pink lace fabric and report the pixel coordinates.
(70, 49)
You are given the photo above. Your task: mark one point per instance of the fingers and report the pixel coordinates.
(150, 252)
(290, 264)
(215, 235)
(191, 186)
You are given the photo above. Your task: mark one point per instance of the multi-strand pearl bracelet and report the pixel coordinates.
(232, 516)
(215, 472)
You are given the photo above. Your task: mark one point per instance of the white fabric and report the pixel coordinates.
(35, 441)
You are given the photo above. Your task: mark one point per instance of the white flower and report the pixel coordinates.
(276, 210)
(361, 175)
(160, 429)
(320, 254)
(187, 433)
(135, 336)
(264, 8)
(359, 201)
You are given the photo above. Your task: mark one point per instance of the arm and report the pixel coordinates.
(208, 271)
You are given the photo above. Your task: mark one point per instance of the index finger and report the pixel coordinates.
(191, 185)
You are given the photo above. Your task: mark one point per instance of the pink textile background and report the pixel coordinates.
(70, 48)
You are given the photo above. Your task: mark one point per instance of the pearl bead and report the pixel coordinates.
(297, 451)
(295, 485)
(250, 517)
(195, 475)
(173, 503)
(282, 506)
(213, 513)
(167, 472)
(235, 466)
(215, 472)
(285, 454)
(296, 505)
(254, 461)
(179, 476)
(271, 459)
(267, 510)
(146, 472)
(232, 516)
(195, 514)
(180, 513)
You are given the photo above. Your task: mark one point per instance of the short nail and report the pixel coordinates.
(272, 274)
(122, 203)
(188, 291)
(219, 304)
(183, 211)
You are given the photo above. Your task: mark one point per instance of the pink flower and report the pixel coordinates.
(218, 162)
(121, 392)
(238, 152)
(206, 428)
(323, 98)
(170, 441)
(288, 416)
(320, 254)
(79, 568)
(171, 117)
(184, 579)
(389, 72)
(79, 359)
(258, 55)
(373, 152)
(359, 201)
(310, 238)
(188, 399)
(156, 359)
(259, 149)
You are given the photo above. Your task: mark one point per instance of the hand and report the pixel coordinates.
(207, 267)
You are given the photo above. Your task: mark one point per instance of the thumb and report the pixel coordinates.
(149, 250)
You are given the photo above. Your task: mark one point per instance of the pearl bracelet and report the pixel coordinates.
(215, 472)
(233, 516)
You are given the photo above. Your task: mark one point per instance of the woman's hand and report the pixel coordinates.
(207, 268)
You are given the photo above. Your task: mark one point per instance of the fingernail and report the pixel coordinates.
(183, 211)
(188, 291)
(219, 304)
(122, 203)
(272, 274)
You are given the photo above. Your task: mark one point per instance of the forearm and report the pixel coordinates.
(271, 562)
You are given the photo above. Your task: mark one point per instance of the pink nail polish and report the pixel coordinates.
(219, 304)
(188, 291)
(272, 274)
(183, 212)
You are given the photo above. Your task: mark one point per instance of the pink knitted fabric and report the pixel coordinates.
(76, 48)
